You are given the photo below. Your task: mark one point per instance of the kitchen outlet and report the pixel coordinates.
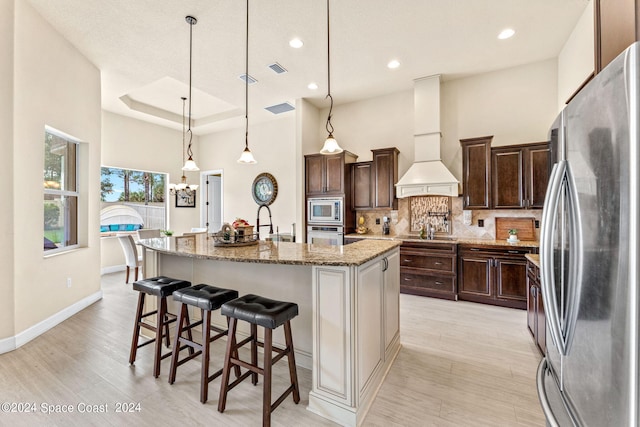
(537, 223)
(68, 282)
(377, 221)
(481, 223)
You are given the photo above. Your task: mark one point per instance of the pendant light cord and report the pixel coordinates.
(246, 86)
(183, 128)
(329, 126)
(191, 21)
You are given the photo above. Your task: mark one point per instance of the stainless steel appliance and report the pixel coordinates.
(325, 234)
(325, 210)
(589, 252)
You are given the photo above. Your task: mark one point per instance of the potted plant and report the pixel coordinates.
(167, 232)
(513, 235)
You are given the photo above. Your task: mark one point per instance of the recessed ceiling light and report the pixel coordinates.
(506, 33)
(296, 43)
(394, 63)
(312, 86)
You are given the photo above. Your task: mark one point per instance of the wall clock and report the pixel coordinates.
(264, 189)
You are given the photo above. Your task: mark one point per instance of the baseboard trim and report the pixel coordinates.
(12, 343)
(112, 269)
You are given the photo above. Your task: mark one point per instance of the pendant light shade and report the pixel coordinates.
(246, 157)
(330, 144)
(190, 164)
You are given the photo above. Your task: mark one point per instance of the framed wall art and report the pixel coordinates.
(185, 199)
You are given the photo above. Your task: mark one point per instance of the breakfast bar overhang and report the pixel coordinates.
(347, 331)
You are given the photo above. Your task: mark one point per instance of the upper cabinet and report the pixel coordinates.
(520, 174)
(328, 174)
(476, 172)
(374, 182)
(617, 26)
(514, 177)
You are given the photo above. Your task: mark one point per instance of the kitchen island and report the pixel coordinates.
(347, 331)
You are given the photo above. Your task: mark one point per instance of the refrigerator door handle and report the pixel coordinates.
(549, 218)
(542, 394)
(574, 283)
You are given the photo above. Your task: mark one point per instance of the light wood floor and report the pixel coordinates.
(461, 364)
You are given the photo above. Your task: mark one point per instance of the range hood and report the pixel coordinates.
(427, 175)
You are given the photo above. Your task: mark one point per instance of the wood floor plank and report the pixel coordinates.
(461, 364)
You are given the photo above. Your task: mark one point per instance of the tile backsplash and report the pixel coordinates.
(411, 211)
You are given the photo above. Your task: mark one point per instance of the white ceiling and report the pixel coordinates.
(142, 49)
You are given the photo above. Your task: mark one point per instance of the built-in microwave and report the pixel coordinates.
(325, 210)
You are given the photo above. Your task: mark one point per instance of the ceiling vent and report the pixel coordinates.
(280, 108)
(277, 68)
(243, 77)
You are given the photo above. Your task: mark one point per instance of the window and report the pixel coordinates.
(139, 195)
(60, 190)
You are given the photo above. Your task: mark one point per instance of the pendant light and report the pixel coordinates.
(330, 144)
(190, 164)
(183, 185)
(246, 157)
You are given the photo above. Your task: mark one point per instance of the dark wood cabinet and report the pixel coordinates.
(385, 171)
(428, 269)
(536, 321)
(617, 26)
(519, 175)
(362, 176)
(328, 174)
(374, 182)
(493, 275)
(476, 172)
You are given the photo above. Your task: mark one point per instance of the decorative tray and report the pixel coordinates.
(230, 237)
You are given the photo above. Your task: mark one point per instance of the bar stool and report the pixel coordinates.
(268, 313)
(207, 298)
(160, 287)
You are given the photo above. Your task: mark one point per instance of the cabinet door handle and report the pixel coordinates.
(437, 282)
(437, 263)
(533, 291)
(475, 249)
(406, 279)
(407, 260)
(514, 252)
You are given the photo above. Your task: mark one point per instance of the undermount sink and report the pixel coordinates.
(417, 237)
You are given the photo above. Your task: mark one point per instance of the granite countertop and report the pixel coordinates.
(449, 240)
(534, 258)
(202, 247)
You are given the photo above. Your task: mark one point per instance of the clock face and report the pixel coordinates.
(264, 189)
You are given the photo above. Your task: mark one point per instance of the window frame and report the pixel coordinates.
(66, 193)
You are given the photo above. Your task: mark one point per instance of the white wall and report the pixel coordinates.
(6, 168)
(381, 122)
(53, 85)
(576, 59)
(516, 105)
(134, 144)
(273, 145)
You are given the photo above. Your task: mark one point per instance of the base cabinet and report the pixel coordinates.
(493, 275)
(536, 321)
(428, 269)
(356, 335)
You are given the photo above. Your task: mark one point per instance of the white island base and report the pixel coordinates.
(347, 331)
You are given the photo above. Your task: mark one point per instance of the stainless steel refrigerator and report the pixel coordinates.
(589, 251)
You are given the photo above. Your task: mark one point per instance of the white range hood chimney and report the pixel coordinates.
(427, 175)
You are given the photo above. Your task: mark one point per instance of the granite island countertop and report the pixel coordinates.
(202, 246)
(447, 239)
(534, 258)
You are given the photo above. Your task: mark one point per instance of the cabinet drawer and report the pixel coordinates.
(428, 262)
(436, 283)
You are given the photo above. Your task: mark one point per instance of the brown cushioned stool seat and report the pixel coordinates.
(270, 314)
(161, 287)
(207, 298)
